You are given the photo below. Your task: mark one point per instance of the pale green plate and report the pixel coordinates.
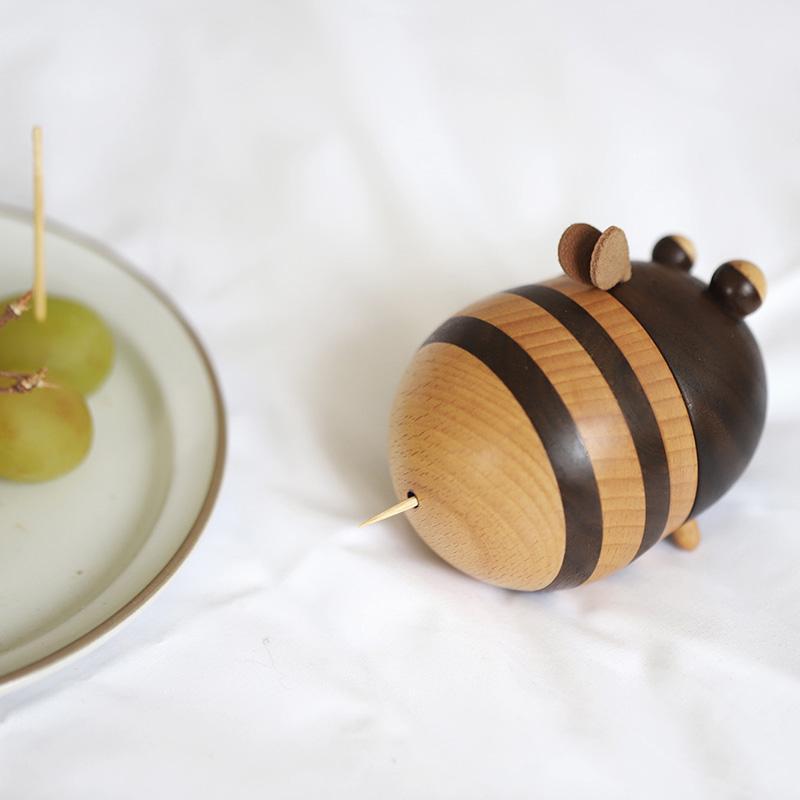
(80, 554)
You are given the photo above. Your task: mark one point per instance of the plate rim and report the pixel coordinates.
(212, 491)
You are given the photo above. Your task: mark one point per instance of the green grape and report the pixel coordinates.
(73, 343)
(43, 433)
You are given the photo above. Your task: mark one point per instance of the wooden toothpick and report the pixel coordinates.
(39, 282)
(398, 508)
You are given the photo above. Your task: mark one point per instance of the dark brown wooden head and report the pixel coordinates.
(553, 433)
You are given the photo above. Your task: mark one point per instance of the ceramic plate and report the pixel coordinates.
(81, 553)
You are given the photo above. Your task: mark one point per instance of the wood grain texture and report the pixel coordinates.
(659, 385)
(597, 415)
(489, 501)
(551, 419)
(630, 396)
(717, 366)
(554, 432)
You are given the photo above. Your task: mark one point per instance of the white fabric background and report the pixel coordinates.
(318, 185)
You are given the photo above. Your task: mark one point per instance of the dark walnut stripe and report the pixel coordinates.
(556, 429)
(717, 366)
(629, 394)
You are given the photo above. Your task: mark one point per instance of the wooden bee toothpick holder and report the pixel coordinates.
(549, 435)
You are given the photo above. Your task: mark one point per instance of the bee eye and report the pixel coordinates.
(739, 286)
(675, 251)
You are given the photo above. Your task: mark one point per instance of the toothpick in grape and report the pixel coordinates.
(39, 280)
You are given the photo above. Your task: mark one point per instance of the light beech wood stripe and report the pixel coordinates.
(597, 415)
(659, 385)
(550, 418)
(458, 431)
(630, 396)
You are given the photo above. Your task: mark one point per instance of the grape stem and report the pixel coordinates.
(25, 382)
(16, 308)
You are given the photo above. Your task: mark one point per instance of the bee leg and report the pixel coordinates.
(687, 537)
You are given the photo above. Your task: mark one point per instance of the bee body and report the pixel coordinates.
(555, 432)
